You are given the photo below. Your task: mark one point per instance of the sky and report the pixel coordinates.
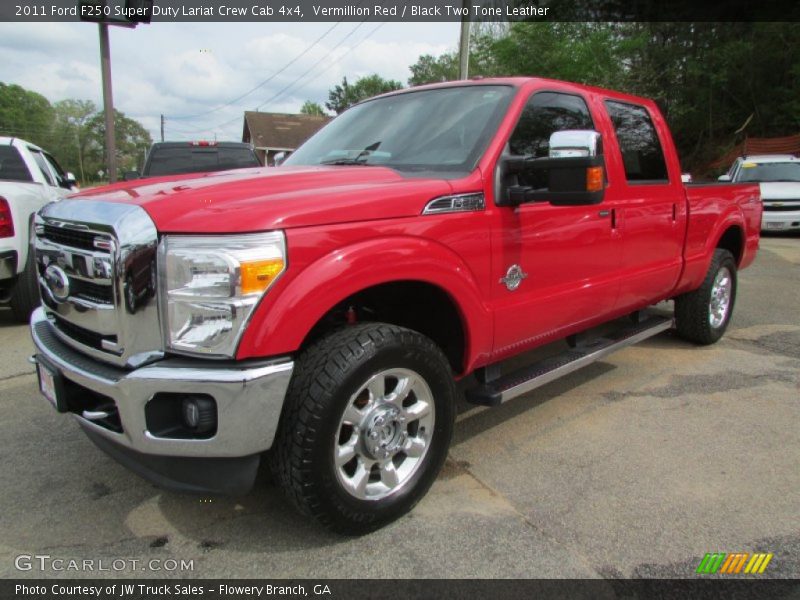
(195, 73)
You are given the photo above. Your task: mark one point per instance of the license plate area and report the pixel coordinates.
(51, 385)
(775, 225)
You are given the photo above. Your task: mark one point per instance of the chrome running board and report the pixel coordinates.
(529, 378)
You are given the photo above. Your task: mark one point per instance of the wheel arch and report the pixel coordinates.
(732, 239)
(421, 278)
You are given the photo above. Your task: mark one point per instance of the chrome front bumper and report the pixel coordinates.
(249, 397)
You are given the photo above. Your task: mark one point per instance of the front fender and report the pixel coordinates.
(306, 293)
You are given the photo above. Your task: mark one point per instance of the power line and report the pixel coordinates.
(263, 83)
(314, 66)
(364, 39)
(290, 85)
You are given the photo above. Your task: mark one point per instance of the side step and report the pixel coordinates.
(538, 374)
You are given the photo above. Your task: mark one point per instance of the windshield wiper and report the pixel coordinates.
(347, 161)
(359, 159)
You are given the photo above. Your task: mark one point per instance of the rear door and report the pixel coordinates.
(651, 204)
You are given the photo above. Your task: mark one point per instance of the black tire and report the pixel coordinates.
(692, 310)
(326, 378)
(25, 293)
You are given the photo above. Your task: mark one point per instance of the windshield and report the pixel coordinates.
(444, 129)
(786, 171)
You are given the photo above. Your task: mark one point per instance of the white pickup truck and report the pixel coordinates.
(29, 179)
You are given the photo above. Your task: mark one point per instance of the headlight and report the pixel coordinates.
(211, 284)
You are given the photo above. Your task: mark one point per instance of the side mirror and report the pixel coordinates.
(574, 171)
(130, 175)
(279, 158)
(724, 178)
(69, 181)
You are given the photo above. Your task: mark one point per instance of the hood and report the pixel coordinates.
(780, 190)
(273, 198)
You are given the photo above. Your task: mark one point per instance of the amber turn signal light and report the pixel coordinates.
(257, 276)
(594, 179)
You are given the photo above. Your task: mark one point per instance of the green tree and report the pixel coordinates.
(341, 97)
(25, 114)
(312, 108)
(431, 69)
(70, 138)
(132, 141)
(707, 78)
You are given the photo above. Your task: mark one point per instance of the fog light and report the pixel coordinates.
(199, 414)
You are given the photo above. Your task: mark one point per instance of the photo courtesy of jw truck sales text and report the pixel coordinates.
(315, 293)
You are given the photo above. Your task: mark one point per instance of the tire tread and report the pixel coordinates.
(319, 372)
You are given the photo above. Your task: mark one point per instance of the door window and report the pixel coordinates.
(42, 164)
(544, 114)
(642, 154)
(61, 176)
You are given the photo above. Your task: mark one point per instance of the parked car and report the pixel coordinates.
(779, 178)
(29, 179)
(177, 158)
(318, 315)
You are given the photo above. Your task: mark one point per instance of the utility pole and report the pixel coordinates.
(162, 128)
(463, 50)
(108, 103)
(80, 155)
(98, 11)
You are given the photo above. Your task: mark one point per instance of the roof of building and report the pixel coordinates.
(280, 131)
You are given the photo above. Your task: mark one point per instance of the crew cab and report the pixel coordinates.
(318, 315)
(778, 176)
(29, 179)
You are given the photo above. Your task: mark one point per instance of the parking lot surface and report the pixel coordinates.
(635, 466)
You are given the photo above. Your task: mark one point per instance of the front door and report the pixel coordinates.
(559, 265)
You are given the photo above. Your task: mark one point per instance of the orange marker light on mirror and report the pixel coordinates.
(257, 276)
(594, 179)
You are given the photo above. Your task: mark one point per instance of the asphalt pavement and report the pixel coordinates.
(636, 466)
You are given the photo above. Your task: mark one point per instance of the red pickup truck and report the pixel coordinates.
(319, 314)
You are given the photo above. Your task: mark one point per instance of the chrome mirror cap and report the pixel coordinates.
(575, 142)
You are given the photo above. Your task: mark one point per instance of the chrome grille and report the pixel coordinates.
(97, 273)
(788, 205)
(73, 238)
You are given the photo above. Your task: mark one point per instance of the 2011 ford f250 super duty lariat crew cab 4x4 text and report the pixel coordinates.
(317, 315)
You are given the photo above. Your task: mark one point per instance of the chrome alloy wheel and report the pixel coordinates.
(384, 434)
(720, 303)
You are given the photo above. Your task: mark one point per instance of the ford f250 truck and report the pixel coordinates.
(318, 315)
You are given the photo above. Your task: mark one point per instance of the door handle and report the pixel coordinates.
(605, 213)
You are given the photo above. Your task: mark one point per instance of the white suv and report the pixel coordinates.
(779, 178)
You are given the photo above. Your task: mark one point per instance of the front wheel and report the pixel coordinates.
(366, 426)
(702, 316)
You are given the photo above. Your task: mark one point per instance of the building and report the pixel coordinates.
(271, 133)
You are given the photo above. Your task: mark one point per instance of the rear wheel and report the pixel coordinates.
(25, 293)
(702, 316)
(366, 426)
